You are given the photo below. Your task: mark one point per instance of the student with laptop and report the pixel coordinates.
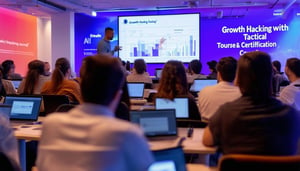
(139, 73)
(89, 137)
(212, 97)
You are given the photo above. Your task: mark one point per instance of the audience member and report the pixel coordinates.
(9, 70)
(291, 93)
(195, 68)
(7, 85)
(60, 83)
(255, 123)
(173, 83)
(89, 137)
(213, 70)
(47, 71)
(278, 77)
(212, 97)
(34, 80)
(139, 73)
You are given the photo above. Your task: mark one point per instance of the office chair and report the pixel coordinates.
(242, 162)
(52, 102)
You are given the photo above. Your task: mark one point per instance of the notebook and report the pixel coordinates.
(199, 84)
(24, 108)
(136, 90)
(181, 106)
(5, 110)
(155, 122)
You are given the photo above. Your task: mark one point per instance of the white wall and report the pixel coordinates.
(62, 30)
(44, 40)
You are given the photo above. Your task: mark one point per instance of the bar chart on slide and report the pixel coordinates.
(158, 39)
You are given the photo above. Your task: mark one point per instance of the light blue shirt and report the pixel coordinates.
(104, 47)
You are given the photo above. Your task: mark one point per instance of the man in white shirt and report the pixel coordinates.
(212, 97)
(291, 93)
(89, 137)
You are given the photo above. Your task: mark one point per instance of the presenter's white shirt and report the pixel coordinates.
(89, 138)
(211, 98)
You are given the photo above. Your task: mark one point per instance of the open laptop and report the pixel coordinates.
(155, 123)
(136, 92)
(158, 72)
(181, 106)
(24, 108)
(199, 84)
(16, 83)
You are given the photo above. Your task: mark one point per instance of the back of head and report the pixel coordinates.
(212, 65)
(293, 64)
(173, 81)
(195, 66)
(277, 65)
(254, 75)
(35, 69)
(62, 66)
(227, 68)
(101, 78)
(140, 66)
(7, 65)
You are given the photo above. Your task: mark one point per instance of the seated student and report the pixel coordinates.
(34, 80)
(7, 85)
(213, 71)
(195, 68)
(139, 73)
(212, 97)
(255, 123)
(173, 83)
(291, 93)
(9, 70)
(89, 137)
(278, 77)
(47, 71)
(60, 83)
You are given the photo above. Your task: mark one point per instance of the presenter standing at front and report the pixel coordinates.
(104, 44)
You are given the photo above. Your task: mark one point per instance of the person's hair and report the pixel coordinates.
(227, 68)
(101, 78)
(173, 81)
(294, 65)
(35, 69)
(277, 65)
(7, 64)
(108, 29)
(2, 89)
(195, 66)
(62, 65)
(212, 65)
(254, 75)
(140, 66)
(127, 66)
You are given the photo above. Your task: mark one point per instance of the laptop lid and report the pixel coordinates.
(136, 90)
(24, 107)
(155, 122)
(5, 110)
(199, 84)
(158, 72)
(181, 106)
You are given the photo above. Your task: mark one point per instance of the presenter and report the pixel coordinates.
(104, 46)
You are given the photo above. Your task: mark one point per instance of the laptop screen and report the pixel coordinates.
(158, 72)
(5, 110)
(16, 83)
(199, 84)
(155, 122)
(24, 107)
(136, 90)
(181, 106)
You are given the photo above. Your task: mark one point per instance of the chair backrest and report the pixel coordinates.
(52, 102)
(64, 107)
(7, 164)
(240, 162)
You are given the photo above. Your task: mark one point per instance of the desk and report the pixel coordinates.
(200, 167)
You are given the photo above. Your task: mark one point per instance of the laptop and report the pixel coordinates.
(155, 123)
(5, 110)
(16, 83)
(158, 72)
(199, 84)
(24, 108)
(181, 106)
(136, 90)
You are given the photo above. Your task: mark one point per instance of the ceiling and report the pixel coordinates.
(45, 8)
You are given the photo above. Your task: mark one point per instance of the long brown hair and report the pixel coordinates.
(173, 81)
(62, 65)
(35, 69)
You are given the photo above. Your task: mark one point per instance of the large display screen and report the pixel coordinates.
(159, 38)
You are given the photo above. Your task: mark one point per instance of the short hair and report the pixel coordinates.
(277, 65)
(227, 68)
(212, 65)
(101, 78)
(254, 75)
(294, 65)
(140, 66)
(195, 66)
(173, 81)
(108, 29)
(7, 64)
